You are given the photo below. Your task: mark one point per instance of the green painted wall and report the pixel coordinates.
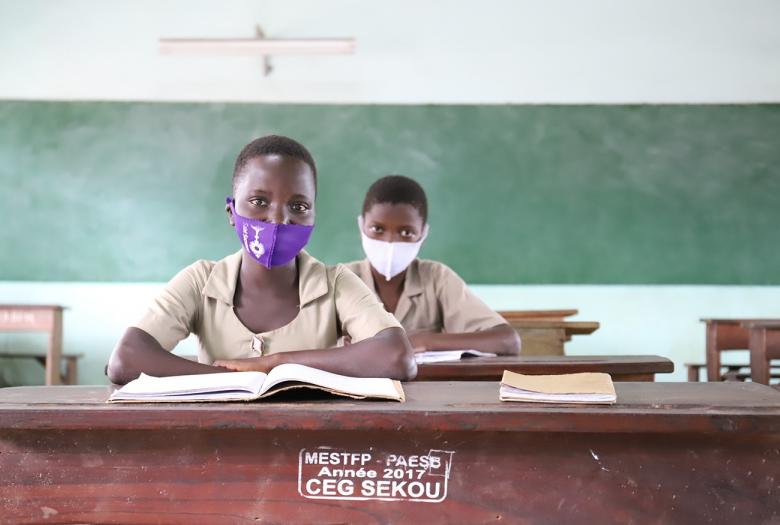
(107, 191)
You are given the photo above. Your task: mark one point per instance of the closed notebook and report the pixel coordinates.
(438, 356)
(588, 387)
(248, 386)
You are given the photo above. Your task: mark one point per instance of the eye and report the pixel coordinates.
(300, 207)
(406, 233)
(259, 201)
(375, 229)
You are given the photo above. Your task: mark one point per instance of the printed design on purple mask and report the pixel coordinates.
(256, 247)
(277, 244)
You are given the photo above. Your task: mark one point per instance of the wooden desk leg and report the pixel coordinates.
(55, 350)
(693, 373)
(71, 372)
(759, 364)
(713, 355)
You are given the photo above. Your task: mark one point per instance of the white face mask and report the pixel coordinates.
(390, 258)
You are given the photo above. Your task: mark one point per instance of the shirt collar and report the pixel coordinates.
(312, 279)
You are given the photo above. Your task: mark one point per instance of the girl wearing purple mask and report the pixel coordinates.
(430, 300)
(271, 302)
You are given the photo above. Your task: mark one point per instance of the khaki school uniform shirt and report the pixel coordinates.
(199, 300)
(434, 298)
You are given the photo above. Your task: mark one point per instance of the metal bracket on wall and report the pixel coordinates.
(267, 66)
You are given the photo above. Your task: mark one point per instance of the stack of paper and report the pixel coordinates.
(438, 356)
(589, 387)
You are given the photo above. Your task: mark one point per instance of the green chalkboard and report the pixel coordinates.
(107, 191)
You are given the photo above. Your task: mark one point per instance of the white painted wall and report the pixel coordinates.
(661, 320)
(409, 51)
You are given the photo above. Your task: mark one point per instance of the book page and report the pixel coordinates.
(439, 356)
(477, 353)
(202, 385)
(380, 387)
(509, 393)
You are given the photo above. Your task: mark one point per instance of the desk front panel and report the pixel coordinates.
(293, 476)
(29, 318)
(701, 453)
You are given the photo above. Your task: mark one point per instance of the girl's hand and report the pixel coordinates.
(256, 364)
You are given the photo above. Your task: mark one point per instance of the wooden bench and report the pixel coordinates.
(69, 377)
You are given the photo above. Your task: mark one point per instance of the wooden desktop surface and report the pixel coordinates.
(620, 367)
(665, 453)
(559, 315)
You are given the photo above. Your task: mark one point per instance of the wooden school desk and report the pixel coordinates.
(666, 453)
(764, 345)
(544, 332)
(620, 367)
(37, 318)
(734, 334)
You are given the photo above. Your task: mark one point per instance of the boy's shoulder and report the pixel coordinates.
(353, 266)
(429, 269)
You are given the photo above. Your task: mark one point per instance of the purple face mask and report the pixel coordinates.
(270, 244)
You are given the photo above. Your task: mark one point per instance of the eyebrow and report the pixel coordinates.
(301, 197)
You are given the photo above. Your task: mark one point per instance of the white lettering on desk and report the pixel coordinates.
(17, 317)
(328, 473)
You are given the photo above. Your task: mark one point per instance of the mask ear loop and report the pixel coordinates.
(425, 233)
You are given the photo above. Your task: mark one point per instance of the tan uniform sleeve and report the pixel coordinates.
(462, 311)
(359, 310)
(173, 314)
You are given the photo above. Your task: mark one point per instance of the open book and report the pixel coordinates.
(438, 356)
(248, 386)
(588, 387)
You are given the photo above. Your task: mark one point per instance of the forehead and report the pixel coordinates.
(276, 174)
(399, 213)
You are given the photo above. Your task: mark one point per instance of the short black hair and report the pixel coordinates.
(397, 189)
(274, 145)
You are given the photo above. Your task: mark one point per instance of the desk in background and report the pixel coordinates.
(38, 318)
(544, 332)
(760, 336)
(620, 367)
(671, 453)
(764, 345)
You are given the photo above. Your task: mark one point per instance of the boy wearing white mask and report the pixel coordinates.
(428, 298)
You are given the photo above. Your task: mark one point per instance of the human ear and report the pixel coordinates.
(231, 220)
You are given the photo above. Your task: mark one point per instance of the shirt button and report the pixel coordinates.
(257, 344)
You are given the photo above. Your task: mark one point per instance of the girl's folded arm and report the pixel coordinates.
(387, 354)
(137, 352)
